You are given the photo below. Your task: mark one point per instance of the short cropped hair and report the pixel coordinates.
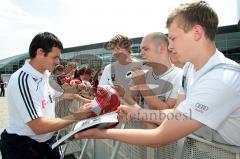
(189, 14)
(158, 38)
(46, 41)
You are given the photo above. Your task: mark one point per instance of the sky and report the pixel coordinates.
(82, 22)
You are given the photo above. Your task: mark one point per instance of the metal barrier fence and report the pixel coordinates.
(191, 147)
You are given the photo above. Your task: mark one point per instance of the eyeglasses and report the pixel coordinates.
(122, 44)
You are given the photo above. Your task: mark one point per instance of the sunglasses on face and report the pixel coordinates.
(122, 44)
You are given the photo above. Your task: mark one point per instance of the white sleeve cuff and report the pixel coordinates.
(95, 107)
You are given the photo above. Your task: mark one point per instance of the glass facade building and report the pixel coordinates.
(94, 55)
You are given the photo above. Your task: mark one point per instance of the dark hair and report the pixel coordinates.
(189, 14)
(81, 71)
(95, 81)
(45, 41)
(76, 74)
(88, 71)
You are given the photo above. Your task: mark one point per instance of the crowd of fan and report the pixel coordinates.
(75, 79)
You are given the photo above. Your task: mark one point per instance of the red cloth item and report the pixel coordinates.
(77, 80)
(106, 100)
(64, 79)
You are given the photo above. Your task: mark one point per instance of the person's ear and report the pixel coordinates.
(162, 48)
(198, 32)
(40, 52)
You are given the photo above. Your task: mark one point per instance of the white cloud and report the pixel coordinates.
(96, 21)
(84, 22)
(17, 28)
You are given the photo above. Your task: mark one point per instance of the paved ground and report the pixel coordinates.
(3, 114)
(4, 119)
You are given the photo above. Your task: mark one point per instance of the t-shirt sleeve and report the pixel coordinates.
(28, 101)
(210, 102)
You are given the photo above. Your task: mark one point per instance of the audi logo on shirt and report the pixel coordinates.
(201, 108)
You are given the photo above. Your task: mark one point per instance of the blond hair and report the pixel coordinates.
(189, 14)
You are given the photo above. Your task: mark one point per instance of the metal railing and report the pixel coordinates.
(191, 147)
